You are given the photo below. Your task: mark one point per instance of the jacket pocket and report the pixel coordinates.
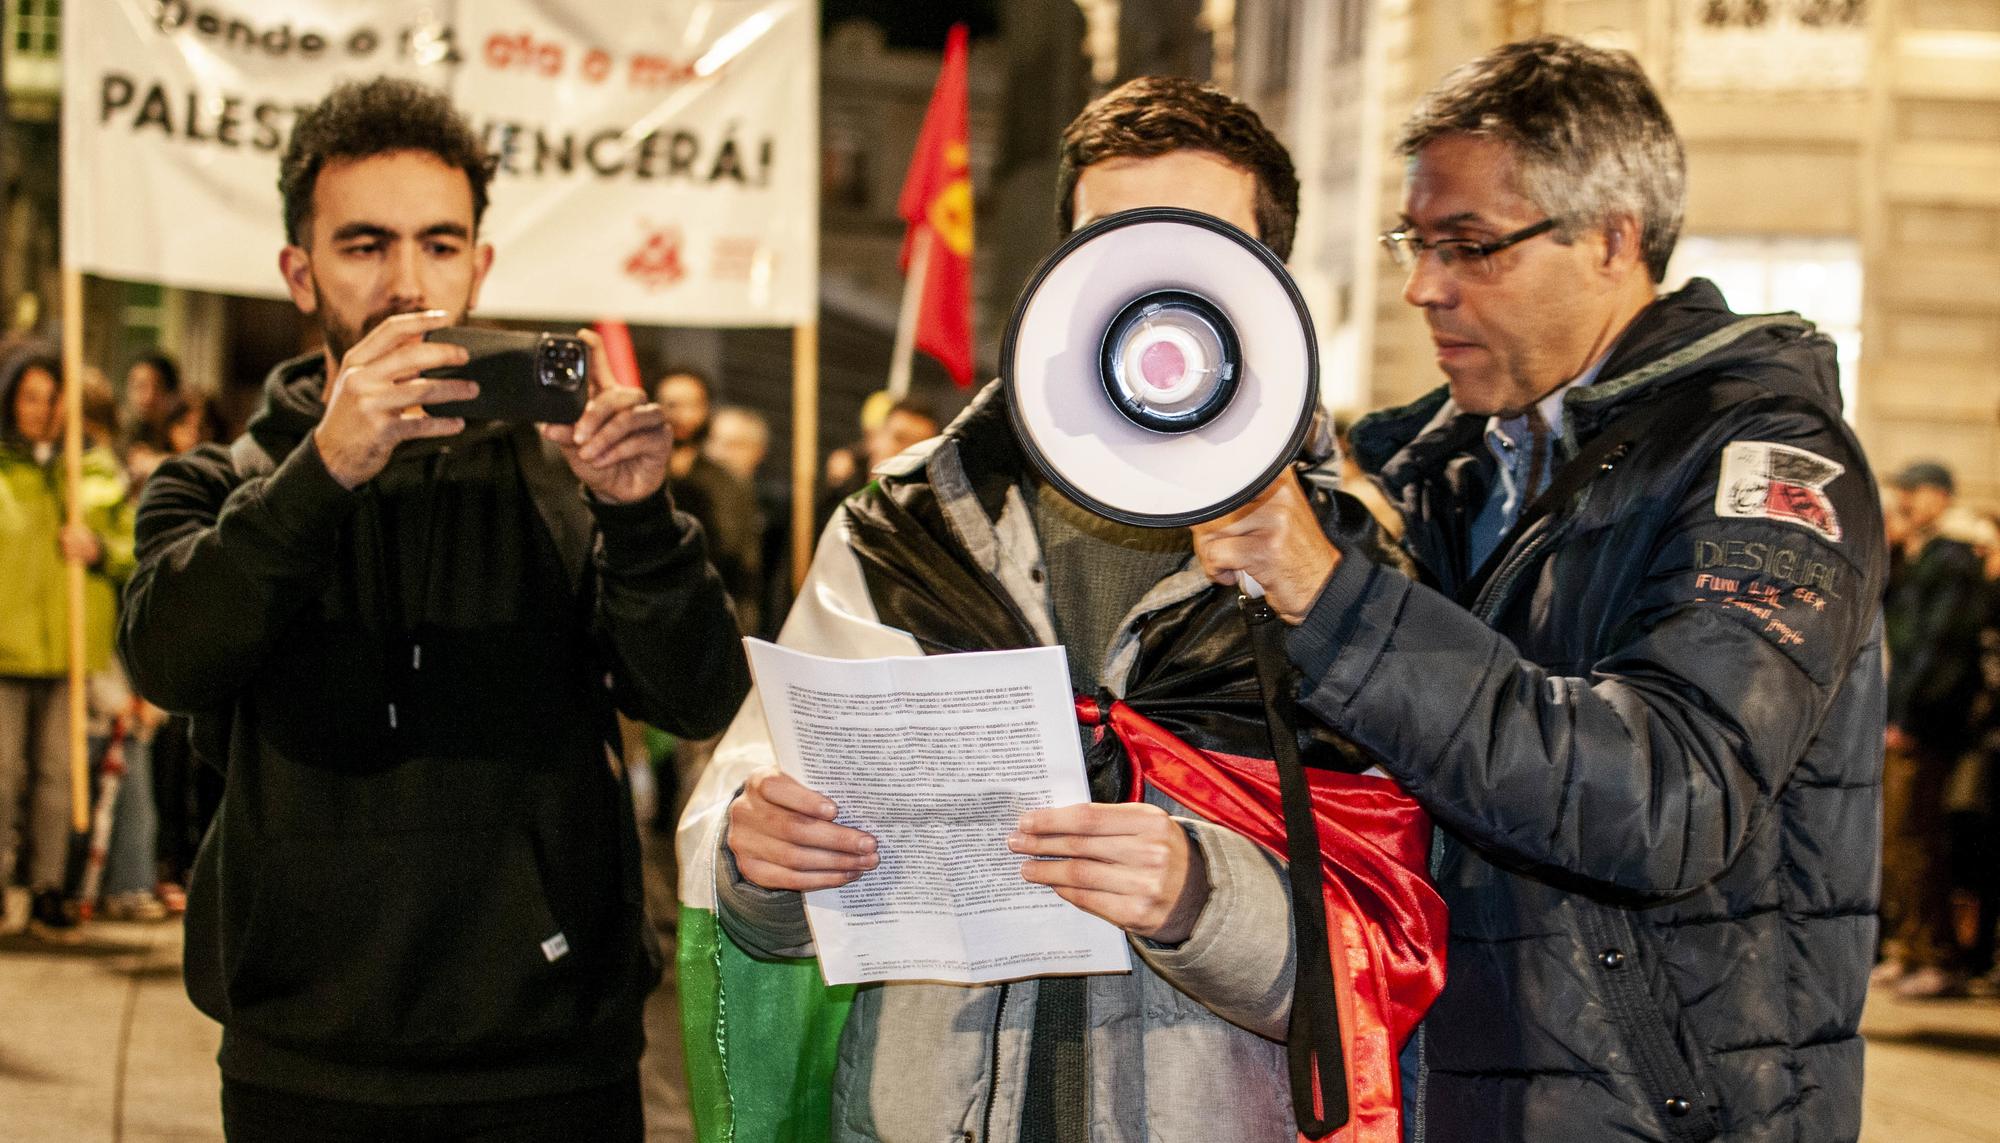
(411, 948)
(1675, 1080)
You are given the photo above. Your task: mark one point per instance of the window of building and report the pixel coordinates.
(35, 28)
(1818, 278)
(32, 45)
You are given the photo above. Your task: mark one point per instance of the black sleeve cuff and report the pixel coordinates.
(1316, 642)
(639, 532)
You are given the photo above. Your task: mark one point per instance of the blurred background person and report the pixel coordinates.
(1970, 798)
(726, 508)
(710, 493)
(888, 426)
(907, 422)
(183, 794)
(118, 738)
(739, 439)
(34, 646)
(1933, 614)
(196, 419)
(152, 385)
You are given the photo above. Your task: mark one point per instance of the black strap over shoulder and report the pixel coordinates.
(1313, 1048)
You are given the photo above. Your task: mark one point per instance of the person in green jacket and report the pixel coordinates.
(34, 644)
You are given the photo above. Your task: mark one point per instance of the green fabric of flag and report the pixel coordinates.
(762, 1038)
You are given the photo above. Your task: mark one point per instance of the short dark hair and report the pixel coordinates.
(163, 367)
(1155, 114)
(359, 120)
(1926, 474)
(1590, 138)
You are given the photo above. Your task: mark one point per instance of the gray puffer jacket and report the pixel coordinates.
(1652, 742)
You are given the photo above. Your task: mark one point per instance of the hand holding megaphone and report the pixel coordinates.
(1276, 544)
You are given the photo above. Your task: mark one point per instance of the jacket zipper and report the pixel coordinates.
(1498, 590)
(993, 1077)
(1501, 586)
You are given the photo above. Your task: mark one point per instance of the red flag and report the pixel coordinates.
(937, 199)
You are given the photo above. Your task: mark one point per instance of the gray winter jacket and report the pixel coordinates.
(1652, 742)
(1188, 1045)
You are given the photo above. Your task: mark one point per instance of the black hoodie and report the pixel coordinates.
(423, 882)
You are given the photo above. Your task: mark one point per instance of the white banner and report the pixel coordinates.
(658, 162)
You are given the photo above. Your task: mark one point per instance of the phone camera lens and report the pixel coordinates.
(562, 365)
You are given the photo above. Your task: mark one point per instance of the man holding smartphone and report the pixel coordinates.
(404, 635)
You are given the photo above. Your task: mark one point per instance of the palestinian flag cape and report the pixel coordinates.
(905, 568)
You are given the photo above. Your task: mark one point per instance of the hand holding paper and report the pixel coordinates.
(1129, 864)
(784, 836)
(903, 780)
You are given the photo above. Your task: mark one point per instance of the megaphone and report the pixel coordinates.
(1160, 367)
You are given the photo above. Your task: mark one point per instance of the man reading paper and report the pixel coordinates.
(958, 547)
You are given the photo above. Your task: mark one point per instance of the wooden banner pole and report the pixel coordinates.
(805, 444)
(72, 399)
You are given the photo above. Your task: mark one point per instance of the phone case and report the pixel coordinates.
(522, 376)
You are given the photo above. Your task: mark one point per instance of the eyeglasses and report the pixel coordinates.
(1462, 256)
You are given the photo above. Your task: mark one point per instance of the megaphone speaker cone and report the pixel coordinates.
(1170, 361)
(1160, 367)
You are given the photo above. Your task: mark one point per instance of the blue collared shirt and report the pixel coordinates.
(1523, 469)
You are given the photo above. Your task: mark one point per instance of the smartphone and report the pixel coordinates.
(522, 376)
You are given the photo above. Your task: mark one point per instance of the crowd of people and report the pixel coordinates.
(1630, 649)
(1941, 773)
(135, 864)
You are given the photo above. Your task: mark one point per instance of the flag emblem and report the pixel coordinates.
(936, 204)
(1762, 480)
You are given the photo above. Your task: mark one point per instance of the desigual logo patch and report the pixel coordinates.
(1762, 480)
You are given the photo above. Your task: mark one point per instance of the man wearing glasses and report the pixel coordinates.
(1639, 686)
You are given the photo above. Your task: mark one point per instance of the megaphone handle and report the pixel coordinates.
(1248, 585)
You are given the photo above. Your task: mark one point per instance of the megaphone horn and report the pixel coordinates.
(1160, 367)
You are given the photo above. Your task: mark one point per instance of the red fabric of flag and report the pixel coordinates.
(1386, 924)
(937, 197)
